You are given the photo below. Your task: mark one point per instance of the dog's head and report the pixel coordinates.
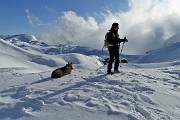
(69, 66)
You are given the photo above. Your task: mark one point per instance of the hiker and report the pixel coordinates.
(114, 41)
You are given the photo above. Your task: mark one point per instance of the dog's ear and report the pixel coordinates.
(69, 64)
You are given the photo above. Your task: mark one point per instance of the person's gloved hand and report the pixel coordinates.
(125, 39)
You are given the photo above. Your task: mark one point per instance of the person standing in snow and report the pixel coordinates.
(113, 47)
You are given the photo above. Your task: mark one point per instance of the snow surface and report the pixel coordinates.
(142, 91)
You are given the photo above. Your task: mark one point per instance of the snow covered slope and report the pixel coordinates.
(167, 53)
(174, 39)
(140, 93)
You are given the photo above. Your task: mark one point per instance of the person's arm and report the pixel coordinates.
(123, 40)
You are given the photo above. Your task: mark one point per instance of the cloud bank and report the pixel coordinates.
(146, 24)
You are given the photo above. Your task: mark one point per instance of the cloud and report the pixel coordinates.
(74, 29)
(50, 9)
(33, 20)
(146, 24)
(150, 23)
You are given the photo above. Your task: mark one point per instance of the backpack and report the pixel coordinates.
(106, 44)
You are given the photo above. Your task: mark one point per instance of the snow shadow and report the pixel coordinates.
(41, 80)
(20, 109)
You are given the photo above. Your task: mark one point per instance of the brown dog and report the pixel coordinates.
(60, 72)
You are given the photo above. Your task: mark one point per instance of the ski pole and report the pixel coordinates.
(120, 55)
(122, 48)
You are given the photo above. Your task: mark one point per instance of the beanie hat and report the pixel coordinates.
(113, 26)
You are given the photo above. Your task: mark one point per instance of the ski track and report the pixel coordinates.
(130, 95)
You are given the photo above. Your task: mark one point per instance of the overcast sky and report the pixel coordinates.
(146, 23)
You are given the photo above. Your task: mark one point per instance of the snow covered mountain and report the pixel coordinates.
(174, 39)
(167, 53)
(148, 91)
(29, 42)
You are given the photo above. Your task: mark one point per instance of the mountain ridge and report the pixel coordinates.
(31, 43)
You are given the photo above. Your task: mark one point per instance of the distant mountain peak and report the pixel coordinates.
(22, 38)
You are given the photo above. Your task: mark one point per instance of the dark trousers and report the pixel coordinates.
(114, 55)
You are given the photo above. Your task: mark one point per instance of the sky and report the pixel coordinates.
(147, 24)
(37, 16)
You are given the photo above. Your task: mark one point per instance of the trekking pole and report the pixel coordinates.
(120, 54)
(102, 48)
(122, 48)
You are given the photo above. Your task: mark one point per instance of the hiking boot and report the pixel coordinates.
(116, 71)
(110, 73)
